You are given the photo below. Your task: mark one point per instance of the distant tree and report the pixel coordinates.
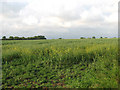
(20, 38)
(4, 38)
(93, 37)
(31, 38)
(105, 37)
(11, 38)
(101, 37)
(38, 37)
(16, 38)
(59, 38)
(27, 38)
(82, 37)
(23, 38)
(41, 37)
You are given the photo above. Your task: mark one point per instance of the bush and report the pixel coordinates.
(82, 38)
(4, 38)
(93, 37)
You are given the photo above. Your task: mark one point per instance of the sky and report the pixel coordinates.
(68, 19)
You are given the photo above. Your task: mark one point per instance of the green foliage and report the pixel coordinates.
(4, 38)
(59, 38)
(23, 38)
(11, 38)
(93, 37)
(82, 38)
(16, 38)
(87, 63)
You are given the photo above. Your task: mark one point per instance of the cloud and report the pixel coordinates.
(55, 18)
(19, 1)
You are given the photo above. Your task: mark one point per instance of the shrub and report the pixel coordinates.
(82, 38)
(93, 37)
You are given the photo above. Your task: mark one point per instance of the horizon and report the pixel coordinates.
(62, 37)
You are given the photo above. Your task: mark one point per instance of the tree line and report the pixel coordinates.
(93, 37)
(23, 38)
(90, 38)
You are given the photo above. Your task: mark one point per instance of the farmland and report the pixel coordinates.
(65, 63)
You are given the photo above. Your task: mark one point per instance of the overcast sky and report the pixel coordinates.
(67, 19)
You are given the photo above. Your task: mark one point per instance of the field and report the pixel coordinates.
(61, 63)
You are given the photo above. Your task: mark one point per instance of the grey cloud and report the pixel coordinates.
(11, 9)
(96, 19)
(69, 16)
(71, 33)
(12, 6)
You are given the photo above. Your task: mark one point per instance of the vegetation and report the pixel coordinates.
(59, 38)
(82, 38)
(73, 63)
(23, 38)
(93, 37)
(4, 37)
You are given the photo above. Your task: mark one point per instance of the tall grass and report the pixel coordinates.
(84, 63)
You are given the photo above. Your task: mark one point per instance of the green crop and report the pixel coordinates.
(62, 63)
